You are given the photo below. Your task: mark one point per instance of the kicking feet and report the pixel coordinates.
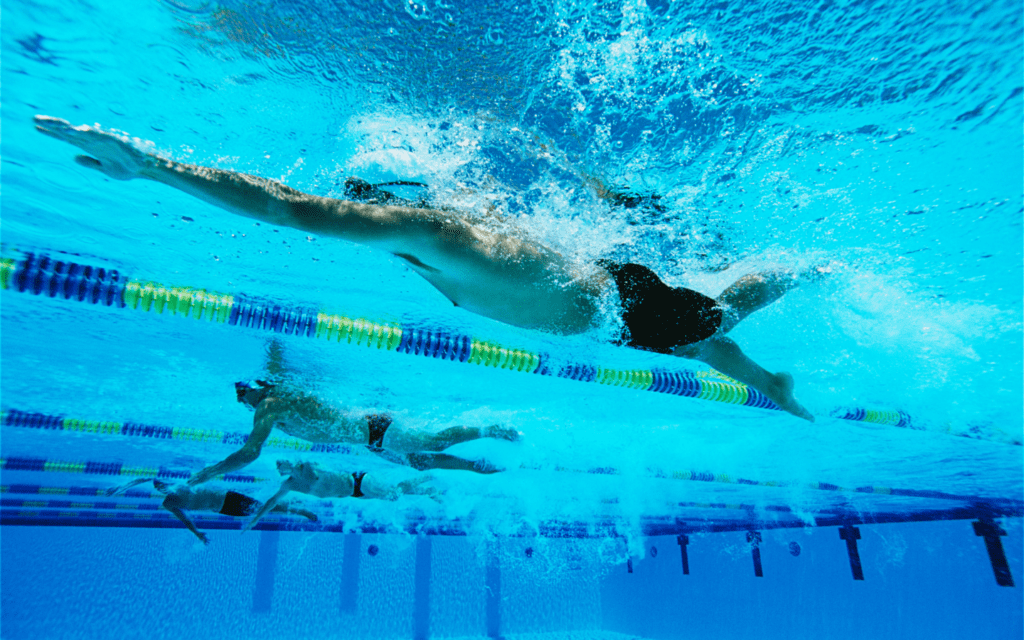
(501, 433)
(780, 391)
(820, 271)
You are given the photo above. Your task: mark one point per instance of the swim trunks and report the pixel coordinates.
(236, 504)
(378, 423)
(357, 477)
(658, 317)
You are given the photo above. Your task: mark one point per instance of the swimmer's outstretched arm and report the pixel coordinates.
(276, 366)
(284, 507)
(114, 491)
(173, 504)
(262, 425)
(393, 229)
(286, 488)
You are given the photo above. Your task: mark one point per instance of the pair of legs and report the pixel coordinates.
(425, 450)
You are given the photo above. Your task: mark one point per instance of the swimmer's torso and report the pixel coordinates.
(316, 481)
(497, 275)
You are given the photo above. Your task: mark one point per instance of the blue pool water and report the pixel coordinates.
(881, 140)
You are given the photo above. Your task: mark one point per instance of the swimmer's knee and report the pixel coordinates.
(730, 318)
(715, 343)
(691, 351)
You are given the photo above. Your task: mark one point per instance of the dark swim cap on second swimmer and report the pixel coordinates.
(242, 388)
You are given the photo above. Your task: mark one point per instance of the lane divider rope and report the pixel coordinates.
(29, 420)
(100, 492)
(19, 463)
(41, 275)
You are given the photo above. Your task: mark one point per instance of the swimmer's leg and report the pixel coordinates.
(404, 440)
(424, 461)
(753, 292)
(726, 356)
(454, 435)
(408, 441)
(758, 290)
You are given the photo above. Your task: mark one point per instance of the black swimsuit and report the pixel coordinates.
(357, 477)
(378, 424)
(237, 504)
(658, 317)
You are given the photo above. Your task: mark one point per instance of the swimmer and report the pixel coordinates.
(305, 416)
(499, 276)
(229, 503)
(315, 480)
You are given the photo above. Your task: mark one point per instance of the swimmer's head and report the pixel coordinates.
(251, 393)
(284, 467)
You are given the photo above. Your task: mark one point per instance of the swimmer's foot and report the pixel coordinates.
(781, 393)
(820, 271)
(501, 433)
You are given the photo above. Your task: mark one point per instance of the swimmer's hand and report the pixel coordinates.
(114, 155)
(204, 475)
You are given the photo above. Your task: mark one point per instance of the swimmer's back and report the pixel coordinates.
(305, 416)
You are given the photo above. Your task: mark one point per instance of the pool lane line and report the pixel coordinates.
(81, 492)
(77, 498)
(19, 463)
(12, 463)
(546, 528)
(40, 275)
(325, 509)
(24, 419)
(723, 478)
(122, 516)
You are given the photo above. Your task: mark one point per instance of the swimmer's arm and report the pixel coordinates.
(394, 229)
(286, 487)
(284, 507)
(262, 426)
(399, 230)
(114, 491)
(171, 504)
(276, 366)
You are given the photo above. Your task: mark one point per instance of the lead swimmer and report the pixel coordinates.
(496, 275)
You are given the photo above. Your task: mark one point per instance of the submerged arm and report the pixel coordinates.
(398, 230)
(113, 491)
(276, 366)
(386, 227)
(269, 506)
(284, 507)
(172, 504)
(263, 424)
